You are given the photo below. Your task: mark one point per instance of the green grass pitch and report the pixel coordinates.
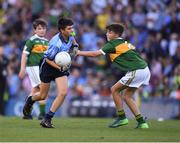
(86, 130)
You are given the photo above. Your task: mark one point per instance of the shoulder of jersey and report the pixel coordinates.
(55, 41)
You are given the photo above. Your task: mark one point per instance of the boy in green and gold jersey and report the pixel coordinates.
(32, 54)
(124, 56)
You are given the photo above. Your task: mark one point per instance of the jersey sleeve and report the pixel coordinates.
(53, 48)
(108, 48)
(28, 47)
(51, 52)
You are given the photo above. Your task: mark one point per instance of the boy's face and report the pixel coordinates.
(40, 30)
(67, 31)
(111, 35)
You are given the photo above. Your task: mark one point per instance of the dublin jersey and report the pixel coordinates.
(123, 54)
(35, 47)
(58, 44)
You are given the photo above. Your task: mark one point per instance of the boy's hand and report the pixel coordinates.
(75, 50)
(64, 68)
(22, 74)
(78, 51)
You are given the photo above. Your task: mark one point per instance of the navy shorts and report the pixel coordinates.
(49, 73)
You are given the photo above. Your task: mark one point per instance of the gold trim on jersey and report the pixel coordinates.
(39, 48)
(120, 49)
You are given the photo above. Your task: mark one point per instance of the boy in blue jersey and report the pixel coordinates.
(49, 71)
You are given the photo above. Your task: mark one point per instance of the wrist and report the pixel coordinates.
(76, 45)
(22, 69)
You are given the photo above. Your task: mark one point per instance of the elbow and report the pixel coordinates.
(47, 60)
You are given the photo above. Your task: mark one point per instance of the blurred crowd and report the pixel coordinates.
(153, 26)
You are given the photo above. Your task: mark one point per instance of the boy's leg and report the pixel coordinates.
(33, 73)
(133, 107)
(42, 106)
(44, 88)
(121, 120)
(115, 90)
(42, 103)
(62, 86)
(27, 111)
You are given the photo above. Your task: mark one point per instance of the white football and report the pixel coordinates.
(63, 59)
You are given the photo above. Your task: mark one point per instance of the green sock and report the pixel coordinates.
(140, 119)
(42, 109)
(121, 114)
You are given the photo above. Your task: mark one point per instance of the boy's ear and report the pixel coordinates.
(61, 30)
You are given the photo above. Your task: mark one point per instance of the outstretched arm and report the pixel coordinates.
(23, 65)
(89, 53)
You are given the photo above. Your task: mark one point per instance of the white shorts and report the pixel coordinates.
(33, 73)
(136, 78)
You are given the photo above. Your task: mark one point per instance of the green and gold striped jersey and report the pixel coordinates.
(35, 47)
(123, 54)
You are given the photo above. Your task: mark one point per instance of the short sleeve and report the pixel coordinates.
(53, 48)
(28, 47)
(51, 52)
(108, 48)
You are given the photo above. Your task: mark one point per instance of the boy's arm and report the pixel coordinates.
(27, 50)
(74, 42)
(89, 53)
(52, 63)
(50, 55)
(108, 48)
(23, 65)
(75, 48)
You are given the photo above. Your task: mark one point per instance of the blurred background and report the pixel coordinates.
(153, 26)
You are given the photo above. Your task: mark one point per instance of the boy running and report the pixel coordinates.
(33, 52)
(49, 71)
(124, 56)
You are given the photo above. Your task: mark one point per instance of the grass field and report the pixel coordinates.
(86, 130)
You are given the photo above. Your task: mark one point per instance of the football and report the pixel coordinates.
(63, 59)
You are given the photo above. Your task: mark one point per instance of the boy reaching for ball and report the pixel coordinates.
(124, 56)
(50, 71)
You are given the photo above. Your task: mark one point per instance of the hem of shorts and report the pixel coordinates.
(36, 85)
(129, 85)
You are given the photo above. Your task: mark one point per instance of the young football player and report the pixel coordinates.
(124, 56)
(33, 52)
(50, 71)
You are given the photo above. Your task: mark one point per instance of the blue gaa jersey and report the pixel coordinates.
(58, 44)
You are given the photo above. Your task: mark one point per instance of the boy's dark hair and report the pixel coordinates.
(39, 21)
(64, 22)
(116, 28)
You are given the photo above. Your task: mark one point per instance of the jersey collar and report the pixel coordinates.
(62, 39)
(39, 37)
(119, 38)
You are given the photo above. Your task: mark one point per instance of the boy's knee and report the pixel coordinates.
(113, 89)
(43, 98)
